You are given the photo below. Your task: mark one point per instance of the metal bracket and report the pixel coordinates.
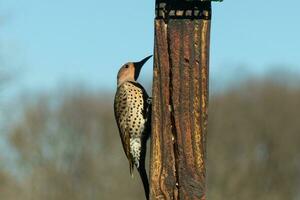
(180, 9)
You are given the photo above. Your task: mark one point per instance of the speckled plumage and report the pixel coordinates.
(132, 112)
(133, 115)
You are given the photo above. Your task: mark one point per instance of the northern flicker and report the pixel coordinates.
(133, 115)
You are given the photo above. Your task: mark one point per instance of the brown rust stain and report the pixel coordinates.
(185, 103)
(205, 38)
(197, 96)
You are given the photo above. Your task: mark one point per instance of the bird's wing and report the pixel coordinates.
(121, 112)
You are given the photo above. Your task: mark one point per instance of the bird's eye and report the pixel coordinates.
(126, 66)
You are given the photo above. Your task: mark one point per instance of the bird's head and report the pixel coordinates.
(131, 71)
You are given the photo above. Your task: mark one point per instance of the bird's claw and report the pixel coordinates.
(149, 100)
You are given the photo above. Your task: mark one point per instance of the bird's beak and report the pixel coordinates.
(138, 66)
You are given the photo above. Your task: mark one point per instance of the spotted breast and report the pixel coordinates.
(132, 111)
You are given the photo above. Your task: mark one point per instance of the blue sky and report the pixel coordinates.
(47, 42)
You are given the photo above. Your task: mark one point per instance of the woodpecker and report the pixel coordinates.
(132, 108)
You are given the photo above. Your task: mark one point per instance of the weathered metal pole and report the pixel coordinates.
(180, 99)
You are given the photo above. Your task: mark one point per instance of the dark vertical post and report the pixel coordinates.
(180, 99)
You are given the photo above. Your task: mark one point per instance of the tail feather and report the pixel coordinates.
(144, 177)
(131, 168)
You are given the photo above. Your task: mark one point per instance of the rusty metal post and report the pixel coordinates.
(180, 99)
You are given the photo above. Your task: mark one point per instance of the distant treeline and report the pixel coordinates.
(65, 145)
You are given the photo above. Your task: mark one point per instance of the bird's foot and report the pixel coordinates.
(149, 100)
